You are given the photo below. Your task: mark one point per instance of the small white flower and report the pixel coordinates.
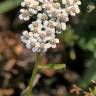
(28, 44)
(42, 16)
(25, 36)
(63, 26)
(24, 40)
(33, 11)
(23, 4)
(35, 25)
(50, 31)
(57, 40)
(26, 3)
(76, 7)
(60, 27)
(37, 44)
(78, 2)
(24, 14)
(36, 35)
(54, 41)
(73, 10)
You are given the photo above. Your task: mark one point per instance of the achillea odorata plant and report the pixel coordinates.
(51, 20)
(51, 17)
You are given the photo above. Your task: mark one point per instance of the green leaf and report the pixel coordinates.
(59, 66)
(69, 37)
(9, 5)
(90, 74)
(52, 66)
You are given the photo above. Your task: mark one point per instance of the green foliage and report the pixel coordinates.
(9, 5)
(69, 37)
(89, 75)
(53, 66)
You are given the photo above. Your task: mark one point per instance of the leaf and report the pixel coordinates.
(9, 5)
(89, 45)
(52, 66)
(90, 74)
(69, 37)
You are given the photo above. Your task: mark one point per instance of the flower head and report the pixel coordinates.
(51, 20)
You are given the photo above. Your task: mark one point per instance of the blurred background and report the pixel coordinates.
(77, 51)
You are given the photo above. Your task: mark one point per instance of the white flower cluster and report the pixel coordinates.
(52, 16)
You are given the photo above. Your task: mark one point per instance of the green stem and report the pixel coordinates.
(29, 91)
